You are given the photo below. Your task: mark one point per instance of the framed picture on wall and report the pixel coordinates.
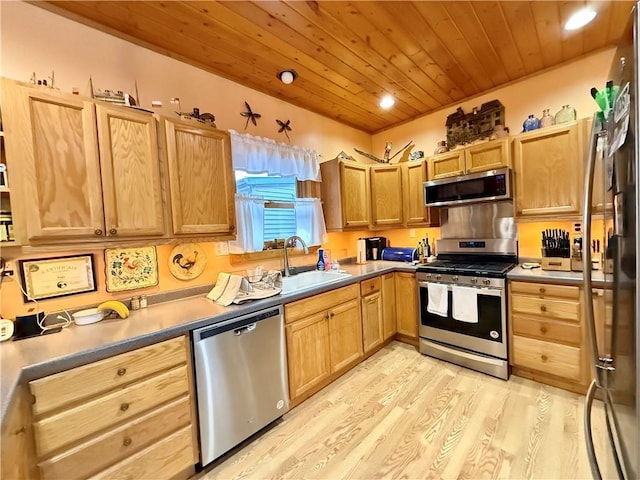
(58, 276)
(130, 268)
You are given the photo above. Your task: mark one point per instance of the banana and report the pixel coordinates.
(118, 307)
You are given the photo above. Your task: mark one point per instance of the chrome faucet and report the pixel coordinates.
(286, 255)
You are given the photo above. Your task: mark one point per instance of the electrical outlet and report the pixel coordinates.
(412, 233)
(221, 248)
(9, 269)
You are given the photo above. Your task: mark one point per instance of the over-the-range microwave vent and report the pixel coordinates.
(472, 188)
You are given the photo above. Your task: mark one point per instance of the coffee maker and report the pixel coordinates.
(374, 246)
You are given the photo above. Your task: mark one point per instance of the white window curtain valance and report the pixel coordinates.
(259, 155)
(250, 220)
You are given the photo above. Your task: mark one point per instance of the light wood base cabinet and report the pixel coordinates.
(388, 283)
(372, 320)
(407, 306)
(547, 336)
(128, 416)
(324, 339)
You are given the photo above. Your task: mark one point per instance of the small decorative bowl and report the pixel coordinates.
(88, 316)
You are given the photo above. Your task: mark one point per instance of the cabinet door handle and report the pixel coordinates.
(542, 290)
(124, 407)
(326, 315)
(544, 358)
(126, 441)
(113, 231)
(121, 372)
(543, 330)
(331, 314)
(543, 308)
(98, 232)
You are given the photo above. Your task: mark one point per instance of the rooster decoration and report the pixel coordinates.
(185, 262)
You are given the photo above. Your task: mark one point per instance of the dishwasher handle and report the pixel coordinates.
(239, 325)
(248, 329)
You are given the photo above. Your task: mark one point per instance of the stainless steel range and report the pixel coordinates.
(463, 295)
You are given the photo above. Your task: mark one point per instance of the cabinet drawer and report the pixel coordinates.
(117, 444)
(79, 383)
(547, 330)
(111, 409)
(550, 358)
(545, 289)
(165, 459)
(369, 286)
(303, 308)
(546, 307)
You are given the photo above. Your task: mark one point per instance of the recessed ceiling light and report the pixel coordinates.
(387, 102)
(580, 18)
(287, 76)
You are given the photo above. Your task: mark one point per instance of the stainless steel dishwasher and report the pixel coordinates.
(241, 379)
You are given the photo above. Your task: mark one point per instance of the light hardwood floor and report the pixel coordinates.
(400, 414)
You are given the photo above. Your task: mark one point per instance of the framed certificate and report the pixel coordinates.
(57, 277)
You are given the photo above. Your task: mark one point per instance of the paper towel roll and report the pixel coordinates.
(361, 256)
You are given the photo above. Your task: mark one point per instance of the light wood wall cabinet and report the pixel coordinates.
(388, 284)
(414, 174)
(372, 314)
(549, 171)
(324, 339)
(88, 170)
(201, 179)
(475, 158)
(386, 196)
(407, 305)
(128, 416)
(548, 337)
(345, 194)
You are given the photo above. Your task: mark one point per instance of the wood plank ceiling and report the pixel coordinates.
(427, 54)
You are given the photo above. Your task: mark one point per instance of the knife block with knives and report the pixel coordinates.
(556, 250)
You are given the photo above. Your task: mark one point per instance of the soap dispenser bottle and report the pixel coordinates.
(320, 265)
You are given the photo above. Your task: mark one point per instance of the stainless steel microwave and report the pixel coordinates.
(471, 188)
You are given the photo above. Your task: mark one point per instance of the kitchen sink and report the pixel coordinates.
(306, 280)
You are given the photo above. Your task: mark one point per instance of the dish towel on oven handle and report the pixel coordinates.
(465, 304)
(438, 299)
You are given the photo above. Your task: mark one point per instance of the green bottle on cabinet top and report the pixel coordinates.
(566, 114)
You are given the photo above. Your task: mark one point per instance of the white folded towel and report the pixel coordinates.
(465, 304)
(438, 299)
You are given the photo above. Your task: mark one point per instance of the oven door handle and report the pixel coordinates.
(484, 291)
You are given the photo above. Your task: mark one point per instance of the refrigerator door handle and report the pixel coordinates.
(588, 432)
(586, 222)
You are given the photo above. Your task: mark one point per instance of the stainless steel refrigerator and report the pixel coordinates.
(611, 196)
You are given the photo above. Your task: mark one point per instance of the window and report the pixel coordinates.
(279, 195)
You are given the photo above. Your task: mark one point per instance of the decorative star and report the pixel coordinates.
(249, 115)
(284, 127)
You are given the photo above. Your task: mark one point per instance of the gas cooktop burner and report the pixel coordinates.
(467, 268)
